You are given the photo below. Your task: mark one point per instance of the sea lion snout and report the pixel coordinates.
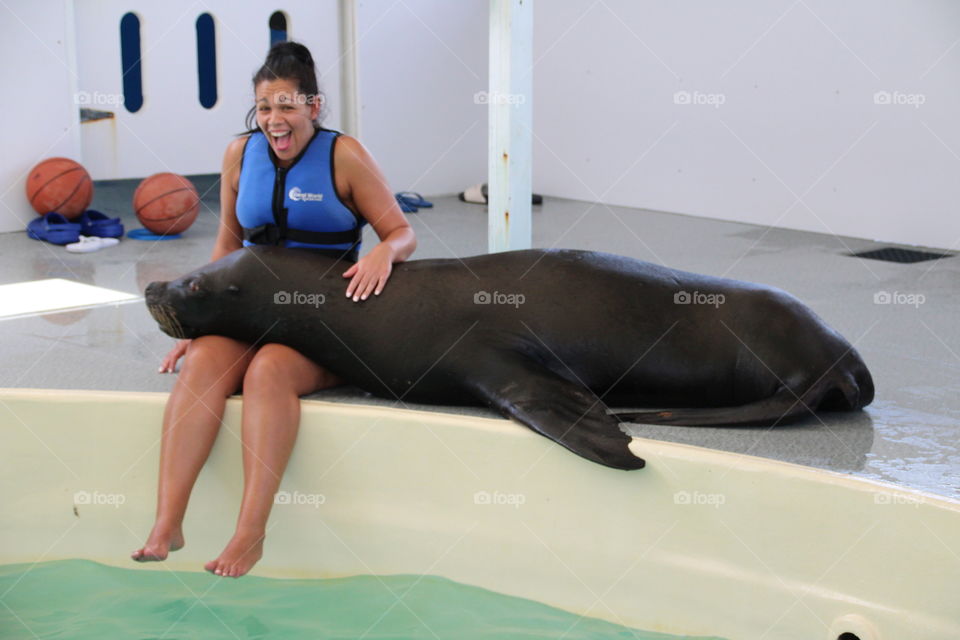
(162, 311)
(154, 291)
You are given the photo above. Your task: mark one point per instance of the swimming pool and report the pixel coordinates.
(700, 542)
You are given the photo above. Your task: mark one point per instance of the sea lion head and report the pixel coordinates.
(199, 303)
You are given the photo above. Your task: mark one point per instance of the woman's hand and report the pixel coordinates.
(169, 364)
(370, 273)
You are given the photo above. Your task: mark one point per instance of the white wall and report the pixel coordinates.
(38, 76)
(798, 141)
(421, 64)
(172, 131)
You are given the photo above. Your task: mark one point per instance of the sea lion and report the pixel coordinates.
(547, 337)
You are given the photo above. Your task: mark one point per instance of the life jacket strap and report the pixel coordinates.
(272, 234)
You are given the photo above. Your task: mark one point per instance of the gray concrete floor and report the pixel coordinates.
(908, 436)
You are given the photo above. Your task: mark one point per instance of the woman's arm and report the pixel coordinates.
(365, 190)
(230, 233)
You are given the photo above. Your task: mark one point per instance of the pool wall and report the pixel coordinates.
(700, 542)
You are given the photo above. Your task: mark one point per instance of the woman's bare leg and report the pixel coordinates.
(272, 386)
(212, 370)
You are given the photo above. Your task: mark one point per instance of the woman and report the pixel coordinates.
(277, 187)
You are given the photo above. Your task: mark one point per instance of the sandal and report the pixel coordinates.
(94, 223)
(405, 206)
(477, 194)
(414, 199)
(53, 228)
(88, 244)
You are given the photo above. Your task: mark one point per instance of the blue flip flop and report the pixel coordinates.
(414, 199)
(405, 206)
(94, 223)
(54, 228)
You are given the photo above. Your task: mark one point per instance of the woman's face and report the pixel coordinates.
(285, 116)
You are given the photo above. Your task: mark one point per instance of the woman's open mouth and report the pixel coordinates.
(281, 139)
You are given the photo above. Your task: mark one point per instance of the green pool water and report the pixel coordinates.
(82, 599)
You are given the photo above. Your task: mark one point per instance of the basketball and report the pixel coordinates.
(60, 185)
(166, 203)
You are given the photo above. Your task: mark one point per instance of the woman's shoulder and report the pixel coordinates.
(237, 145)
(233, 156)
(342, 138)
(234, 152)
(349, 152)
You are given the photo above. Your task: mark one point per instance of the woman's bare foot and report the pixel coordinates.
(238, 557)
(161, 541)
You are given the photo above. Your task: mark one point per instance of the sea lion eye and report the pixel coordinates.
(194, 285)
(233, 289)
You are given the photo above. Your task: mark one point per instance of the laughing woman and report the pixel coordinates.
(288, 181)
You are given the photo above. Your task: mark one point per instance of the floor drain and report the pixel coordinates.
(896, 254)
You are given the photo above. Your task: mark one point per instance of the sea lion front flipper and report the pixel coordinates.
(568, 414)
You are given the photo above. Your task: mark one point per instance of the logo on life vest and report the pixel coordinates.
(302, 196)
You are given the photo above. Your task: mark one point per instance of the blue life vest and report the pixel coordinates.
(295, 206)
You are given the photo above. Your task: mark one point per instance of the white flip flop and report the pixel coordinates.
(91, 243)
(476, 194)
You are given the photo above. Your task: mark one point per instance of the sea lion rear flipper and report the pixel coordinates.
(566, 413)
(783, 406)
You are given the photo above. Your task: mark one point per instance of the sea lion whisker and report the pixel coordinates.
(178, 327)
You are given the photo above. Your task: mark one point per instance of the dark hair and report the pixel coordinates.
(289, 61)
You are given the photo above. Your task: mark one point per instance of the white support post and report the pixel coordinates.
(509, 164)
(349, 78)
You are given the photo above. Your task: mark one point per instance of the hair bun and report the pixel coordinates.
(287, 49)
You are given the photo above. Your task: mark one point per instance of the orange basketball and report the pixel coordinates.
(61, 185)
(166, 203)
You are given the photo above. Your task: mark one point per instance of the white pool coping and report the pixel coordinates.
(700, 542)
